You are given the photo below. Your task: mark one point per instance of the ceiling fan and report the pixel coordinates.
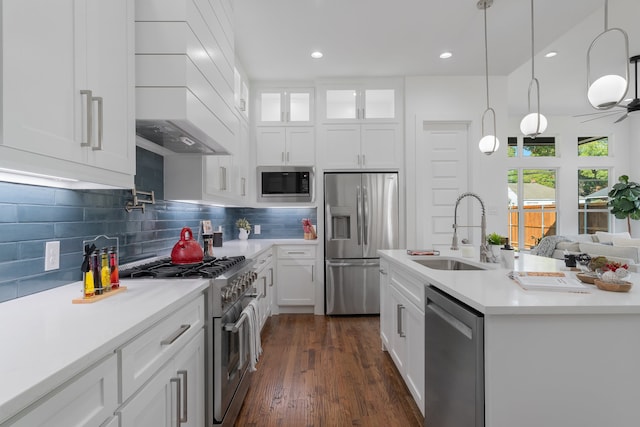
(633, 105)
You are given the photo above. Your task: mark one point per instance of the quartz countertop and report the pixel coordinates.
(47, 339)
(493, 292)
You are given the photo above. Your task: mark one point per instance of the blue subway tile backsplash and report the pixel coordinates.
(31, 215)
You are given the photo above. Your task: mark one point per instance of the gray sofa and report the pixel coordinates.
(614, 246)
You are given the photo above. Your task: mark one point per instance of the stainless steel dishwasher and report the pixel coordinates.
(454, 362)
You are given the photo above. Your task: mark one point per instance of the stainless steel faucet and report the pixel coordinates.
(485, 252)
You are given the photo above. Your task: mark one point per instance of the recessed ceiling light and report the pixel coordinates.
(551, 54)
(446, 55)
(317, 55)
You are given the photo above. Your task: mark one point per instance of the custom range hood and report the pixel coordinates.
(184, 78)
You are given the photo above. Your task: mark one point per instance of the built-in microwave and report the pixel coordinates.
(285, 184)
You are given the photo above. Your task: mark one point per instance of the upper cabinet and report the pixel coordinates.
(278, 106)
(241, 93)
(367, 101)
(67, 90)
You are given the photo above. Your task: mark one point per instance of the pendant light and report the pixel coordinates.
(489, 143)
(533, 124)
(608, 90)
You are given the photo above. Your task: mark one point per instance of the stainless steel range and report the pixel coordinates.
(227, 336)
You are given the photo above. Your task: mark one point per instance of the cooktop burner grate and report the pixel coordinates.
(164, 268)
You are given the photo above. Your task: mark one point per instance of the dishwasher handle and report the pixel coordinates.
(455, 323)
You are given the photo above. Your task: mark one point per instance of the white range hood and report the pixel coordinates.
(184, 79)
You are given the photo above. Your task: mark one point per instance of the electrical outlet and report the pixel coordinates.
(256, 229)
(52, 256)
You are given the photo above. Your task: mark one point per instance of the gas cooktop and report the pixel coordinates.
(163, 268)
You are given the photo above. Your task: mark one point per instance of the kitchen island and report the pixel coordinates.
(550, 358)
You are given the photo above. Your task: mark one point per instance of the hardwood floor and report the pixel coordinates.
(326, 371)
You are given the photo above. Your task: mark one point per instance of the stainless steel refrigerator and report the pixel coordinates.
(361, 216)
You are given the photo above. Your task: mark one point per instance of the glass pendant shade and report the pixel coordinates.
(607, 91)
(489, 144)
(529, 125)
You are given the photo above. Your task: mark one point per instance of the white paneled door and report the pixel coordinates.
(442, 171)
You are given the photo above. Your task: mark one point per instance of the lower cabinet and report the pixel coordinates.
(402, 326)
(296, 276)
(89, 399)
(174, 395)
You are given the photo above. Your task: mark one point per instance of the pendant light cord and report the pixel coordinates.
(486, 55)
(606, 15)
(532, 39)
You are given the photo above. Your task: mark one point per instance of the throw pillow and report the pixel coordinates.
(607, 238)
(595, 249)
(619, 241)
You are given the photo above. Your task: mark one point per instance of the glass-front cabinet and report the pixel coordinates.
(376, 101)
(285, 106)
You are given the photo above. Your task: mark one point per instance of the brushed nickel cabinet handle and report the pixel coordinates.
(174, 336)
(89, 113)
(399, 309)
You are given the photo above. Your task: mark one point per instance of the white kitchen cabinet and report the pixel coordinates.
(240, 166)
(361, 146)
(69, 109)
(241, 93)
(89, 399)
(296, 273)
(402, 326)
(291, 106)
(281, 145)
(386, 307)
(264, 285)
(174, 395)
(364, 101)
(205, 178)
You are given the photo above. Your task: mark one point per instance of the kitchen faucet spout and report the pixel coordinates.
(485, 252)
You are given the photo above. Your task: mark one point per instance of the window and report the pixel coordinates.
(542, 146)
(532, 206)
(593, 146)
(593, 186)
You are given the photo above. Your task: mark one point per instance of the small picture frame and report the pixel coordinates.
(207, 228)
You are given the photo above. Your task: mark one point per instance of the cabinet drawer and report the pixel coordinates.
(142, 357)
(297, 252)
(408, 285)
(263, 260)
(88, 399)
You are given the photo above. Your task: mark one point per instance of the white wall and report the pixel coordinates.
(459, 99)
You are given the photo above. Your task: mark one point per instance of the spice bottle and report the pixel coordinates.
(87, 273)
(97, 277)
(105, 271)
(113, 267)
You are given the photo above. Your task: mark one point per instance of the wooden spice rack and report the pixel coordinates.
(97, 298)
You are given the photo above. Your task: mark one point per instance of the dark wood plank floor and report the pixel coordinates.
(326, 371)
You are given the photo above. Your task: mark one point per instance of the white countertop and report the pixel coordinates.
(46, 339)
(492, 292)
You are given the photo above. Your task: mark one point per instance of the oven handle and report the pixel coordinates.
(235, 327)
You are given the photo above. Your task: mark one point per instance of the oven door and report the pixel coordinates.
(231, 358)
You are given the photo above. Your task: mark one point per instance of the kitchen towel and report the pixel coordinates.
(255, 345)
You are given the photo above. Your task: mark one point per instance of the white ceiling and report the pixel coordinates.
(366, 38)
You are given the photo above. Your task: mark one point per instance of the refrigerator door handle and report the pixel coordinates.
(359, 214)
(365, 217)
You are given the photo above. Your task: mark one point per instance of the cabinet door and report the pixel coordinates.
(41, 94)
(414, 363)
(270, 106)
(300, 146)
(240, 167)
(386, 308)
(299, 103)
(110, 76)
(189, 369)
(397, 310)
(341, 146)
(217, 175)
(379, 104)
(342, 104)
(381, 146)
(152, 404)
(296, 282)
(88, 400)
(271, 146)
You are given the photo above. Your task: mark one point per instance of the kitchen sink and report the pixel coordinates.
(447, 264)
